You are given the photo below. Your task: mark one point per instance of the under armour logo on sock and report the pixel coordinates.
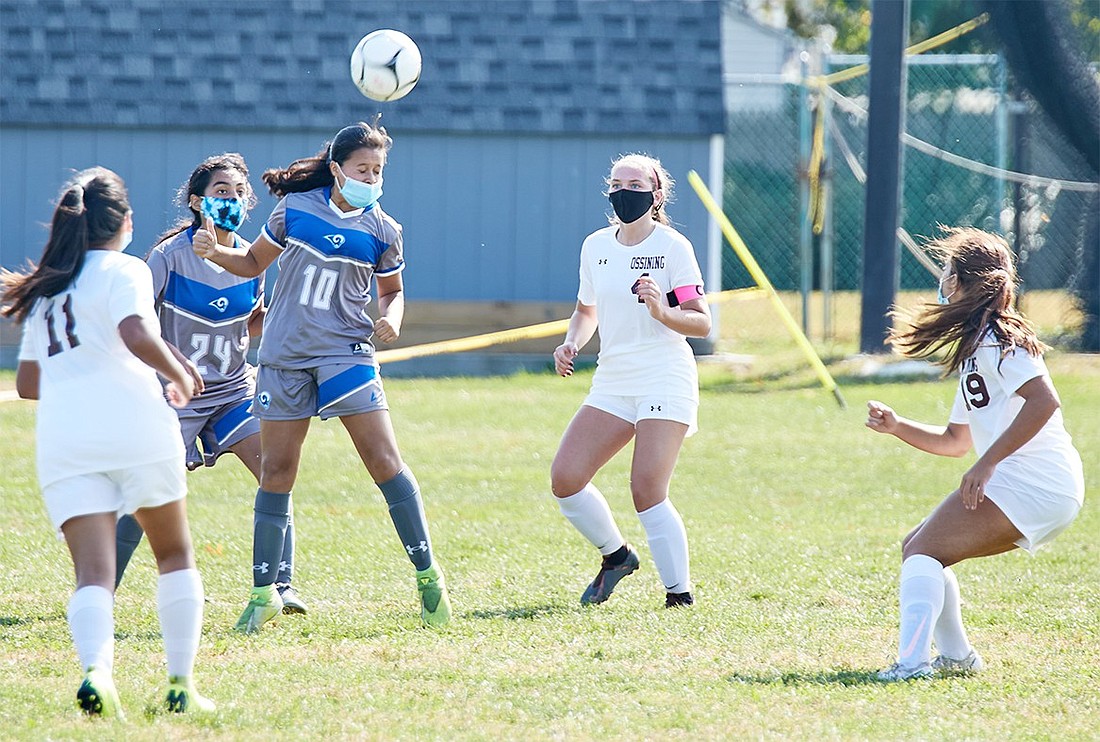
(422, 547)
(261, 568)
(655, 408)
(284, 566)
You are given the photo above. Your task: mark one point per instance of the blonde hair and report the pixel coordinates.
(658, 178)
(984, 303)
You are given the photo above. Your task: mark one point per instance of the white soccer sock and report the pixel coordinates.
(950, 636)
(664, 529)
(922, 591)
(179, 605)
(588, 512)
(92, 621)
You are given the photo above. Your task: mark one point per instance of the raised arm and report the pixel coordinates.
(248, 263)
(952, 440)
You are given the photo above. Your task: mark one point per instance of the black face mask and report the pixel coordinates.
(630, 206)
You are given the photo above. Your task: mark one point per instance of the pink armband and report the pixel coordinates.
(680, 294)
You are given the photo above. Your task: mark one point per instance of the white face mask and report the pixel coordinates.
(127, 238)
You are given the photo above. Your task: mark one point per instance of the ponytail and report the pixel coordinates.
(309, 173)
(89, 213)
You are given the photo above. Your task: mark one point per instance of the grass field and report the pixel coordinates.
(794, 512)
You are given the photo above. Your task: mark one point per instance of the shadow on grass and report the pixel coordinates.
(27, 620)
(517, 613)
(825, 677)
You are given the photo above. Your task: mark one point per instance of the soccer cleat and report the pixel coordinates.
(435, 605)
(673, 600)
(263, 605)
(292, 603)
(971, 663)
(896, 673)
(608, 577)
(184, 699)
(97, 695)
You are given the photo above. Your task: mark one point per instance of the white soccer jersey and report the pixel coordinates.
(638, 354)
(986, 400)
(100, 408)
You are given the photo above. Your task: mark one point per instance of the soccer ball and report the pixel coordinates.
(385, 65)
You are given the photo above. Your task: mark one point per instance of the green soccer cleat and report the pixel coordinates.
(435, 605)
(97, 695)
(264, 605)
(292, 602)
(184, 699)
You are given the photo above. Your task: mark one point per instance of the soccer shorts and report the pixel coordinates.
(217, 428)
(649, 407)
(121, 491)
(334, 390)
(1040, 514)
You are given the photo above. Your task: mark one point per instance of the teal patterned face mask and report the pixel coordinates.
(227, 213)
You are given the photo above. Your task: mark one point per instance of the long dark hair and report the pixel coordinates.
(986, 280)
(313, 172)
(89, 213)
(196, 186)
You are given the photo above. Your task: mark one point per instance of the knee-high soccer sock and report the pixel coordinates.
(922, 592)
(92, 621)
(402, 494)
(128, 535)
(270, 516)
(949, 634)
(179, 605)
(664, 529)
(589, 513)
(286, 564)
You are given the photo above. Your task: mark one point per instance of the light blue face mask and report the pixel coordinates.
(940, 296)
(359, 194)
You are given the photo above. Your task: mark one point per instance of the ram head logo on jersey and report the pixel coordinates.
(337, 240)
(221, 304)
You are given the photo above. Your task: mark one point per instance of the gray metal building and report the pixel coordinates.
(500, 151)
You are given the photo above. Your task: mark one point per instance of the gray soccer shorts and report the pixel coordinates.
(217, 428)
(332, 390)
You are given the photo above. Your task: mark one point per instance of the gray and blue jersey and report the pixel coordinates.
(204, 311)
(318, 311)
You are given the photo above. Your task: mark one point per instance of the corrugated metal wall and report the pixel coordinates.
(487, 218)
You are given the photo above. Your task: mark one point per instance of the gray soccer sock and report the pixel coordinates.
(270, 516)
(286, 564)
(402, 494)
(128, 535)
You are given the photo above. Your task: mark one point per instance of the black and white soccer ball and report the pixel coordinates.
(385, 65)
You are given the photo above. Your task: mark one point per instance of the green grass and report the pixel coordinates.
(794, 512)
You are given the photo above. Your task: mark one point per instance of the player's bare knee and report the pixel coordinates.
(564, 482)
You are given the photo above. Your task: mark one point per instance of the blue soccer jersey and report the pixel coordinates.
(318, 312)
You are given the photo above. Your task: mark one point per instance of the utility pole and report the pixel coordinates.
(886, 121)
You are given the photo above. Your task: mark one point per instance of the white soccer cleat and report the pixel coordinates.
(968, 665)
(896, 673)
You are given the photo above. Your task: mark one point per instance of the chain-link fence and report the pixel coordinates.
(963, 136)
